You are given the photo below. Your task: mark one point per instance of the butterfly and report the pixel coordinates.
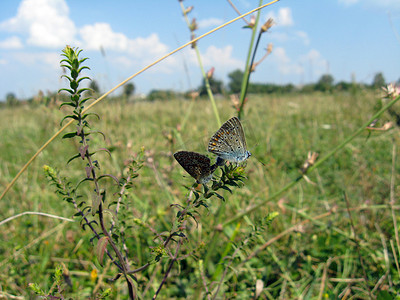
(197, 165)
(229, 143)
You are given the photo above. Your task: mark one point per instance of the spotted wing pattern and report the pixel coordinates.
(229, 142)
(196, 164)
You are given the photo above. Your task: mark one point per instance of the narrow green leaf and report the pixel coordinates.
(66, 90)
(67, 103)
(84, 78)
(110, 176)
(68, 117)
(65, 66)
(83, 68)
(91, 114)
(226, 188)
(73, 157)
(103, 149)
(69, 135)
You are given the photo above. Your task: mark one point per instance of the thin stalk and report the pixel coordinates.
(246, 78)
(228, 247)
(316, 165)
(203, 73)
(247, 71)
(358, 246)
(215, 237)
(392, 195)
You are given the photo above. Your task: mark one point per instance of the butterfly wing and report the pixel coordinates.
(229, 141)
(239, 137)
(196, 164)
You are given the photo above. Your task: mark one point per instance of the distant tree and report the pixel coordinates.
(215, 85)
(325, 83)
(235, 81)
(11, 99)
(343, 86)
(378, 81)
(129, 89)
(161, 95)
(94, 86)
(308, 88)
(269, 88)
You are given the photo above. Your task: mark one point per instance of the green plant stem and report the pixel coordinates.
(246, 86)
(247, 71)
(208, 88)
(316, 165)
(203, 73)
(215, 238)
(228, 247)
(392, 197)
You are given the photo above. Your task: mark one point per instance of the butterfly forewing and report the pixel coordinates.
(196, 164)
(229, 141)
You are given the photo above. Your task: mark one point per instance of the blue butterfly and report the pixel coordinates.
(229, 143)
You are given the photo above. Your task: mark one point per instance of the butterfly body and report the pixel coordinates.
(229, 142)
(197, 165)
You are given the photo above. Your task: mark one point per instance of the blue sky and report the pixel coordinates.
(346, 38)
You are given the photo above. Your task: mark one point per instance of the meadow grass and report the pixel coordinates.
(316, 255)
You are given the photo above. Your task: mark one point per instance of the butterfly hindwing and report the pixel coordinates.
(229, 142)
(197, 165)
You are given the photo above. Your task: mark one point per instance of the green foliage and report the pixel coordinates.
(11, 99)
(94, 88)
(311, 233)
(216, 86)
(129, 89)
(258, 88)
(235, 81)
(161, 95)
(57, 290)
(378, 81)
(325, 83)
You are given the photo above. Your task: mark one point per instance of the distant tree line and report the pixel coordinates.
(325, 83)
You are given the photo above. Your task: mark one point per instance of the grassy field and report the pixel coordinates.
(312, 250)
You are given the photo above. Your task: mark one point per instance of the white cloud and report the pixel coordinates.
(101, 35)
(46, 23)
(303, 36)
(220, 58)
(211, 22)
(315, 61)
(290, 35)
(282, 18)
(348, 2)
(284, 63)
(13, 42)
(373, 4)
(51, 59)
(279, 36)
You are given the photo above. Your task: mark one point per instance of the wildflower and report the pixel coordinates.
(188, 10)
(267, 25)
(311, 158)
(390, 91)
(210, 73)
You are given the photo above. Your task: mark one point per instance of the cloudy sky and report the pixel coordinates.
(346, 38)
